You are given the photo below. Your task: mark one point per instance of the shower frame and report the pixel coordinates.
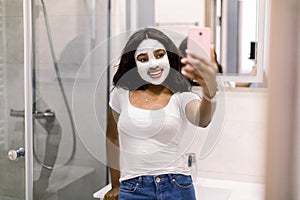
(28, 121)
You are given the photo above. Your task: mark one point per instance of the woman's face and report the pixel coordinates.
(152, 61)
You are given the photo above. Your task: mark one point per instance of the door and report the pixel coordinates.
(12, 173)
(44, 109)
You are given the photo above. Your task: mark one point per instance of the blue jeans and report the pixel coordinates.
(161, 187)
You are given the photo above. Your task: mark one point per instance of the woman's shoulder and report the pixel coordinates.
(189, 94)
(183, 98)
(118, 92)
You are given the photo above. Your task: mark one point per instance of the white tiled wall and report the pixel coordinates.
(240, 152)
(186, 11)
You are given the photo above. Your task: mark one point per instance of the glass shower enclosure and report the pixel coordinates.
(53, 98)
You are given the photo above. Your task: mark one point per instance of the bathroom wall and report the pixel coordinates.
(239, 153)
(186, 15)
(282, 172)
(297, 164)
(298, 118)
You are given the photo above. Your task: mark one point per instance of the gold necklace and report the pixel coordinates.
(147, 99)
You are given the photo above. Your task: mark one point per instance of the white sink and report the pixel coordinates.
(208, 189)
(217, 189)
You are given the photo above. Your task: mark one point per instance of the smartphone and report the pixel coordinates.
(199, 40)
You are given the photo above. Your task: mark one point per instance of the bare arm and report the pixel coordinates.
(200, 113)
(204, 72)
(113, 155)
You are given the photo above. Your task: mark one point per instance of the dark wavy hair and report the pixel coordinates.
(127, 75)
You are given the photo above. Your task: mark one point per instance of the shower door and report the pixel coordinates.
(12, 172)
(69, 98)
(53, 98)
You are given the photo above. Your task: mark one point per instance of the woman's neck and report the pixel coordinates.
(157, 89)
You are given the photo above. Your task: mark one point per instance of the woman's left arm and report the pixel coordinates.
(204, 73)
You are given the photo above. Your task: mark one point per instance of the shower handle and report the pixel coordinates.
(14, 154)
(47, 114)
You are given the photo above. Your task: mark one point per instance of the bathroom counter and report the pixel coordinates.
(207, 189)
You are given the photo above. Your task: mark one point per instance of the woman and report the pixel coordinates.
(150, 108)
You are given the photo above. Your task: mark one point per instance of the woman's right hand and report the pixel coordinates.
(112, 194)
(202, 71)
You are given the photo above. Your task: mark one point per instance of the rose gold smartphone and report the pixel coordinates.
(199, 40)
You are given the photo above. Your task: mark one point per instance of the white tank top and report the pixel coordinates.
(152, 142)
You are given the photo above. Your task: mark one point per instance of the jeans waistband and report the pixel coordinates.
(155, 178)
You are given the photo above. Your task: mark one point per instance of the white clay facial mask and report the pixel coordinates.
(152, 61)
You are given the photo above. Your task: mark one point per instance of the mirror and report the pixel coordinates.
(239, 38)
(238, 29)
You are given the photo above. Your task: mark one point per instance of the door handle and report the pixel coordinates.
(47, 114)
(14, 154)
